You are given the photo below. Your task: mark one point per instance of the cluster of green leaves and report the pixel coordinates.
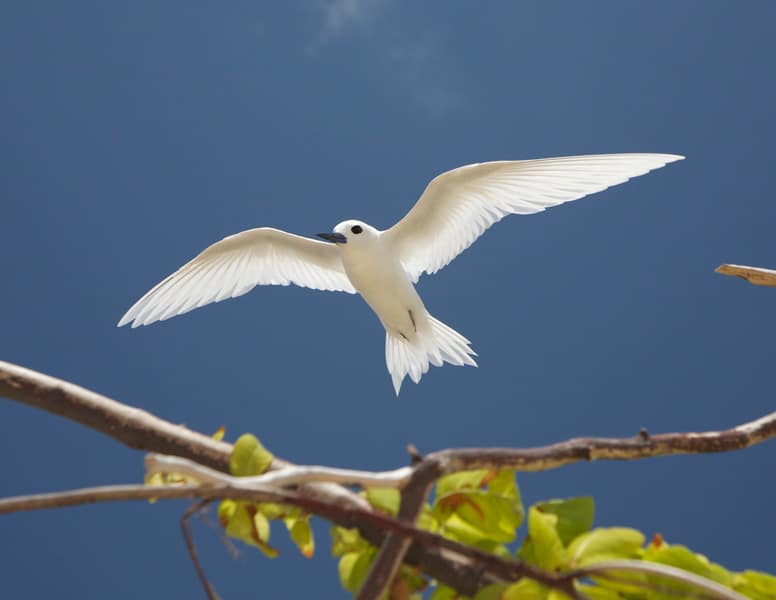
(484, 509)
(250, 521)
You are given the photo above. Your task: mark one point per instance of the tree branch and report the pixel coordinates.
(131, 426)
(345, 515)
(754, 275)
(192, 549)
(139, 429)
(395, 546)
(574, 450)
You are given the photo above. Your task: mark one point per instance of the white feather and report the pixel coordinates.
(235, 265)
(458, 206)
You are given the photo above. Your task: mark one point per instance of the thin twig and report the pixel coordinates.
(210, 591)
(284, 477)
(574, 450)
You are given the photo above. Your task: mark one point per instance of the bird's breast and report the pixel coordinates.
(381, 280)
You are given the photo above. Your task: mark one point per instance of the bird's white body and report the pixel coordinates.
(413, 338)
(382, 266)
(373, 268)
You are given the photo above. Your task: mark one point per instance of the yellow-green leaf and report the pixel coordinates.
(525, 589)
(226, 510)
(504, 484)
(575, 516)
(243, 521)
(543, 546)
(493, 591)
(684, 558)
(353, 568)
(754, 584)
(605, 543)
(302, 534)
(249, 457)
(384, 499)
(277, 511)
(595, 592)
(476, 515)
(464, 480)
(346, 540)
(442, 592)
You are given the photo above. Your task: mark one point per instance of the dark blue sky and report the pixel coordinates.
(132, 135)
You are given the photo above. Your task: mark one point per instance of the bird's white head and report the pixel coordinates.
(352, 232)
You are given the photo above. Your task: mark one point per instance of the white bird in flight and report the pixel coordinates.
(383, 266)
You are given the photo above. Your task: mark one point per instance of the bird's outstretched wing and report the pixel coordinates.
(234, 266)
(459, 205)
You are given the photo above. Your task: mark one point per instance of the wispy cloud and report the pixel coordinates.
(414, 59)
(341, 17)
(416, 62)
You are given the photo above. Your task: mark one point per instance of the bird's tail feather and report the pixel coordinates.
(437, 345)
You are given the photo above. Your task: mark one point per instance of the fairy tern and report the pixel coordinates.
(383, 266)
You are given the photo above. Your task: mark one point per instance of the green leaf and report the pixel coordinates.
(353, 568)
(464, 480)
(414, 581)
(754, 584)
(442, 592)
(543, 546)
(346, 540)
(595, 592)
(301, 534)
(525, 589)
(491, 592)
(473, 516)
(427, 520)
(575, 516)
(384, 499)
(245, 522)
(249, 457)
(605, 543)
(225, 511)
(277, 511)
(504, 484)
(687, 560)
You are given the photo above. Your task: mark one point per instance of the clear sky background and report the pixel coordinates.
(134, 134)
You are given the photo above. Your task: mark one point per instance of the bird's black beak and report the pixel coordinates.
(335, 238)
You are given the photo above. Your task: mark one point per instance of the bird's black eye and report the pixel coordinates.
(356, 229)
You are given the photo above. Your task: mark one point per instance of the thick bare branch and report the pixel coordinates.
(131, 426)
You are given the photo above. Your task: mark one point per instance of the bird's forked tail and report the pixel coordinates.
(436, 345)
